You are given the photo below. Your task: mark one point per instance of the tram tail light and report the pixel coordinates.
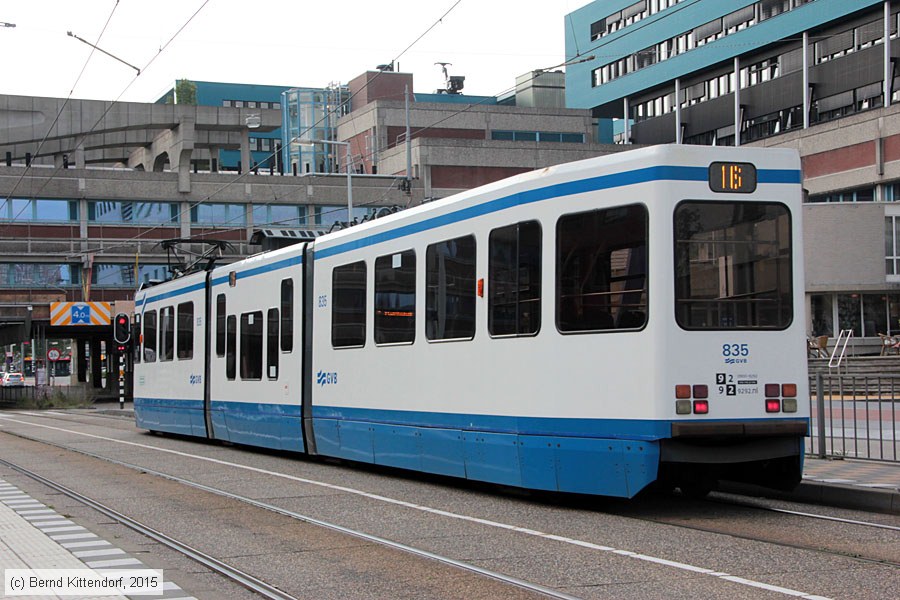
(682, 392)
(701, 407)
(773, 405)
(789, 405)
(772, 390)
(682, 407)
(789, 390)
(701, 391)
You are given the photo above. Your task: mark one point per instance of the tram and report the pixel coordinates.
(594, 327)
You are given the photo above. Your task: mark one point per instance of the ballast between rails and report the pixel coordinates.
(535, 332)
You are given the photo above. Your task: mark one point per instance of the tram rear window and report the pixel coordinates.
(733, 265)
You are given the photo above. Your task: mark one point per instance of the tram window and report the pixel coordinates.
(167, 333)
(395, 298)
(272, 345)
(251, 345)
(601, 269)
(230, 346)
(733, 265)
(185, 331)
(514, 279)
(287, 315)
(220, 325)
(450, 289)
(136, 339)
(150, 336)
(348, 305)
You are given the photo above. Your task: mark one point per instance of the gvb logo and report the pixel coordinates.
(323, 378)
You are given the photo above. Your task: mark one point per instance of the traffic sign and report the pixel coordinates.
(53, 354)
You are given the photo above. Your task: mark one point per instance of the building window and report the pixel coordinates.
(50, 211)
(450, 289)
(39, 275)
(863, 194)
(395, 298)
(822, 314)
(132, 213)
(232, 215)
(186, 331)
(892, 245)
(348, 305)
(150, 336)
(119, 275)
(514, 280)
(251, 345)
(279, 215)
(601, 270)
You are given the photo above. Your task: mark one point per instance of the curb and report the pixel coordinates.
(853, 497)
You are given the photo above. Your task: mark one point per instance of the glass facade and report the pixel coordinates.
(39, 275)
(25, 210)
(311, 114)
(132, 213)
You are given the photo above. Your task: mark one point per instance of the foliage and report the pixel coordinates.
(186, 92)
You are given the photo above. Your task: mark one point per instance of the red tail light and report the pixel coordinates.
(789, 390)
(773, 405)
(772, 390)
(701, 391)
(701, 407)
(682, 391)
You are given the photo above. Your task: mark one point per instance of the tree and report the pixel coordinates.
(186, 92)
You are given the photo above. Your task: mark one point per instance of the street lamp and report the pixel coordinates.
(349, 172)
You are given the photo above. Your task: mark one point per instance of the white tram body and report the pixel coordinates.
(592, 327)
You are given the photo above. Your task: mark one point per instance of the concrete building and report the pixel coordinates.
(264, 144)
(815, 75)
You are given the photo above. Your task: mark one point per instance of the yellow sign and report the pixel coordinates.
(80, 313)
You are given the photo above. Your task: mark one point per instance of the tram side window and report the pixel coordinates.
(251, 345)
(167, 333)
(395, 298)
(230, 346)
(450, 289)
(136, 338)
(514, 279)
(220, 325)
(348, 305)
(287, 315)
(150, 336)
(185, 331)
(601, 269)
(272, 343)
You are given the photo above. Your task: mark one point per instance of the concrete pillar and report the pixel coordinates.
(806, 94)
(79, 152)
(214, 159)
(96, 365)
(245, 150)
(626, 110)
(737, 101)
(677, 110)
(888, 66)
(81, 360)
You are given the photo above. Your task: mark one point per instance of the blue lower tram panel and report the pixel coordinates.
(610, 467)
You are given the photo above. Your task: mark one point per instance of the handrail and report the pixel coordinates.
(845, 335)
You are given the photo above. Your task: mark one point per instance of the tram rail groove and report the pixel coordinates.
(232, 573)
(520, 583)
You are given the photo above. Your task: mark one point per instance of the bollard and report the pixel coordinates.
(121, 381)
(820, 407)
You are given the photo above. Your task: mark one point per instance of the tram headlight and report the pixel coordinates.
(789, 405)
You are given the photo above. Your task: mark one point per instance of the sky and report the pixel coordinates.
(275, 42)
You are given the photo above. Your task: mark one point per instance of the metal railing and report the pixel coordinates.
(854, 416)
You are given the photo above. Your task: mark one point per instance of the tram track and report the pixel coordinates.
(233, 573)
(627, 513)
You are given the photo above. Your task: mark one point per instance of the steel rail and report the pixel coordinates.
(520, 583)
(234, 574)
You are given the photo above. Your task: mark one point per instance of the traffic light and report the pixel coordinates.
(122, 330)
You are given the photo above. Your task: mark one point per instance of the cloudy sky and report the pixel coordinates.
(279, 42)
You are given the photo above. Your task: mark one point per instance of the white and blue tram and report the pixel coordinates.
(592, 327)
